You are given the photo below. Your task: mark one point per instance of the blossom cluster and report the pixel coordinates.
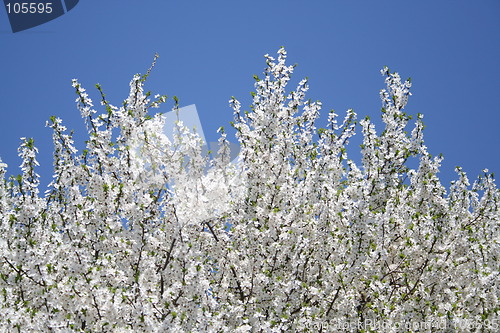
(141, 233)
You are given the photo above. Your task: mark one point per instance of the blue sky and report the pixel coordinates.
(209, 51)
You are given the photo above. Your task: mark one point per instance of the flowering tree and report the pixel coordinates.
(133, 234)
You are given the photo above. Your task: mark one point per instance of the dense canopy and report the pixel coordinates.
(138, 233)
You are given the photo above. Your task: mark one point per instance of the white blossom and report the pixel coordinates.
(142, 233)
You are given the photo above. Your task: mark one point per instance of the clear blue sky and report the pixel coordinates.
(209, 51)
